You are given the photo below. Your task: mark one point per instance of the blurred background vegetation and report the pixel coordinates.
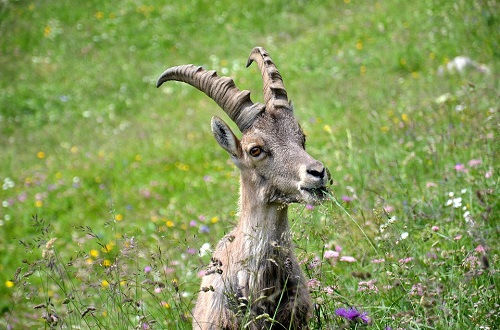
(87, 140)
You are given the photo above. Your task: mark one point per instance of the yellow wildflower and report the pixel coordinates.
(108, 247)
(47, 31)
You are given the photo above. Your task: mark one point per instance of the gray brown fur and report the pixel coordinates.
(254, 280)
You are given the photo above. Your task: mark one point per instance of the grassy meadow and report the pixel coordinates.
(114, 191)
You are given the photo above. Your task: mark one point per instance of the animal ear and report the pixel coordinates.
(225, 137)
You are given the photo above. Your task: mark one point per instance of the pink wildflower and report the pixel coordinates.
(417, 290)
(329, 290)
(475, 162)
(313, 283)
(430, 184)
(347, 259)
(378, 261)
(388, 208)
(435, 228)
(405, 260)
(367, 286)
(479, 249)
(471, 262)
(168, 270)
(329, 254)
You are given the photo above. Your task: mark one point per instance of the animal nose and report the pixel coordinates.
(317, 170)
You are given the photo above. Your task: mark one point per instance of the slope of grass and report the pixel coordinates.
(111, 188)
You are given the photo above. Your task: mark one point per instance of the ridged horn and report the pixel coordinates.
(236, 103)
(274, 89)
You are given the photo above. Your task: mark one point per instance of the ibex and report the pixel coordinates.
(254, 280)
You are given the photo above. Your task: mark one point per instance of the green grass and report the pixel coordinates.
(127, 176)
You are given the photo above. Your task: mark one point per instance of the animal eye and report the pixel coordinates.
(255, 151)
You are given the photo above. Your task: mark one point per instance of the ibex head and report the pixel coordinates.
(271, 154)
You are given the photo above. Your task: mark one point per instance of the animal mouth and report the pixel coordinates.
(318, 193)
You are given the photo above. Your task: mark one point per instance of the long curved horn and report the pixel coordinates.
(274, 89)
(237, 104)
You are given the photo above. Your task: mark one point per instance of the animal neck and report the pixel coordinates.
(259, 219)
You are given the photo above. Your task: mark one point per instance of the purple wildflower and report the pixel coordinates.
(22, 197)
(352, 314)
(460, 168)
(315, 263)
(347, 199)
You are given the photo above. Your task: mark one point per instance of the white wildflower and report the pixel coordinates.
(205, 249)
(455, 202)
(8, 183)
